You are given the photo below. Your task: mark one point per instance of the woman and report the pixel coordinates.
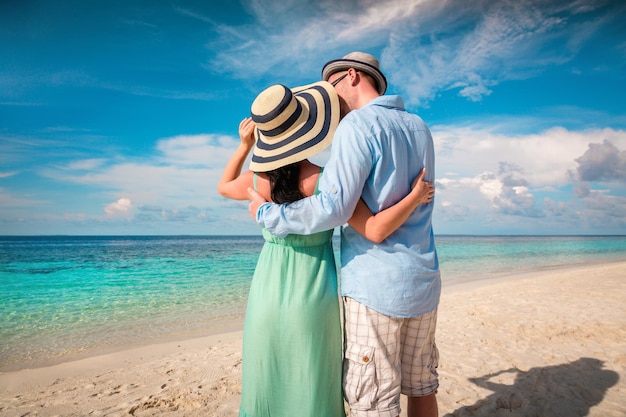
(292, 360)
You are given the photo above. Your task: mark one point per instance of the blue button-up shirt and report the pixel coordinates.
(377, 152)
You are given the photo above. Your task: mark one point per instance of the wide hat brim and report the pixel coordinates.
(345, 64)
(282, 140)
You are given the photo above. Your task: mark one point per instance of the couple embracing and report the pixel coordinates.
(377, 185)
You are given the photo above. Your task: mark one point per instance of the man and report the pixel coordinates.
(391, 289)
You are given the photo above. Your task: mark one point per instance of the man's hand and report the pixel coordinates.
(256, 200)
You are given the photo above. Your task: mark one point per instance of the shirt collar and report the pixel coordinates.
(393, 102)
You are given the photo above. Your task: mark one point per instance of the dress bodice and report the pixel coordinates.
(316, 239)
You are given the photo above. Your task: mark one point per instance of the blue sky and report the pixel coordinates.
(117, 117)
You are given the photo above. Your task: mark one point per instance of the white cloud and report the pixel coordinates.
(545, 158)
(507, 40)
(183, 172)
(288, 38)
(481, 173)
(198, 150)
(85, 164)
(602, 161)
(119, 208)
(10, 200)
(475, 92)
(429, 46)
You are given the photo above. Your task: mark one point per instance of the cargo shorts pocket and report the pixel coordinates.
(360, 384)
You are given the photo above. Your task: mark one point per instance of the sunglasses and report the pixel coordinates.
(334, 83)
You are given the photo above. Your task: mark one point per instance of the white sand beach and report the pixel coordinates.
(549, 343)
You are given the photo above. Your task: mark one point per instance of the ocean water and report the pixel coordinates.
(65, 297)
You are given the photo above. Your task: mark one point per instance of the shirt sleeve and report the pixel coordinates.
(340, 188)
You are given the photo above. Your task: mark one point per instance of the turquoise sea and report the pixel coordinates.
(63, 297)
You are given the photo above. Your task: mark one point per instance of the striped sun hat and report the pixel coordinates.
(292, 124)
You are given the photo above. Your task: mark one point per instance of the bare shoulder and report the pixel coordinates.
(309, 174)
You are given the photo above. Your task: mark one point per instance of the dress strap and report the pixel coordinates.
(254, 181)
(317, 183)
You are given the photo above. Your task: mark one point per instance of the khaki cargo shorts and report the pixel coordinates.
(385, 356)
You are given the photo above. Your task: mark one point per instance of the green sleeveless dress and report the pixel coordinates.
(292, 341)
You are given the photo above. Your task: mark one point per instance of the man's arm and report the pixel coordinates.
(288, 218)
(340, 189)
(309, 215)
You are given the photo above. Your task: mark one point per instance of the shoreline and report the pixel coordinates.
(457, 283)
(222, 325)
(234, 322)
(556, 335)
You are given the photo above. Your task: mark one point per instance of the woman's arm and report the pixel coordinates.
(378, 227)
(233, 183)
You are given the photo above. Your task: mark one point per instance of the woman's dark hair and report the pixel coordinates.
(285, 183)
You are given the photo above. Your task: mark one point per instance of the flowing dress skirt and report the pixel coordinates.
(292, 341)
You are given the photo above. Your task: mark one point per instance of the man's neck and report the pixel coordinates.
(365, 98)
